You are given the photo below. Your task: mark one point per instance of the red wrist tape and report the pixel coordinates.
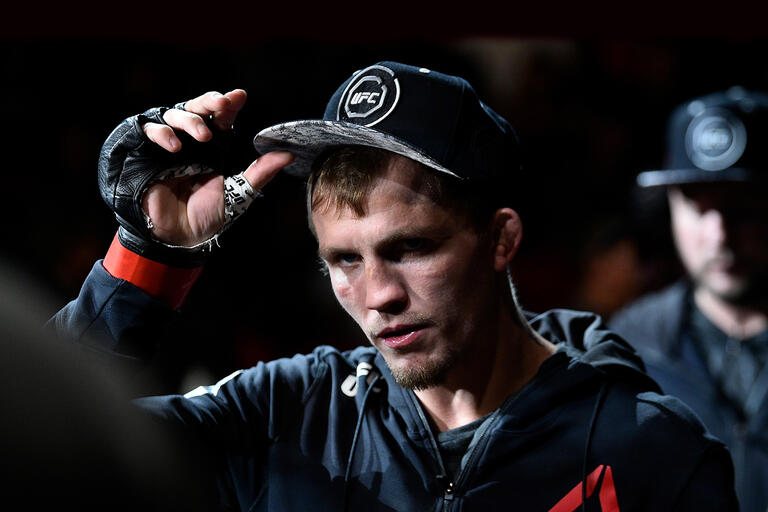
(166, 283)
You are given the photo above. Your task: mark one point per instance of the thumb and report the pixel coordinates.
(262, 170)
(237, 197)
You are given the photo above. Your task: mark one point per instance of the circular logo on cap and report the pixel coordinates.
(715, 140)
(370, 96)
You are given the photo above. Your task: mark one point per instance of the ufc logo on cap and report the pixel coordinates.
(715, 140)
(370, 96)
(360, 97)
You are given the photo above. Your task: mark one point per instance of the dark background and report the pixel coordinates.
(588, 99)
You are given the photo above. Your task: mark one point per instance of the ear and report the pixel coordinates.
(507, 232)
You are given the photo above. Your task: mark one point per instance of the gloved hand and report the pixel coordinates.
(161, 174)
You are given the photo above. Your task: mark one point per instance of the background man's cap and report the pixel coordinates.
(718, 137)
(430, 117)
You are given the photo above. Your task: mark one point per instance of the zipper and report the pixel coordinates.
(448, 492)
(476, 446)
(442, 477)
(474, 450)
(450, 487)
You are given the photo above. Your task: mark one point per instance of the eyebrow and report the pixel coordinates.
(326, 254)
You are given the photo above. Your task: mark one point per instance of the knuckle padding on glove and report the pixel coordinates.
(129, 162)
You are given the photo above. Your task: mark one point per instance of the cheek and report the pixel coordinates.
(451, 283)
(686, 231)
(437, 286)
(344, 291)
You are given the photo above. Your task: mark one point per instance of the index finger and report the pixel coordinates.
(223, 107)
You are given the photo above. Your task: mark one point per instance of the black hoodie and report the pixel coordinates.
(331, 430)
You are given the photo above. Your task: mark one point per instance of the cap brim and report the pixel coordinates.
(308, 139)
(660, 178)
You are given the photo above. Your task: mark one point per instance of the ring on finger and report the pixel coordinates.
(183, 106)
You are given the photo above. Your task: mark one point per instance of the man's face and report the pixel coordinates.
(721, 234)
(417, 280)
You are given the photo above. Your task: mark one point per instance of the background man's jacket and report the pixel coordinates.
(654, 325)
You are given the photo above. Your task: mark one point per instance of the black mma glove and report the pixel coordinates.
(130, 163)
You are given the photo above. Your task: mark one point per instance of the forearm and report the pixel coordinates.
(113, 316)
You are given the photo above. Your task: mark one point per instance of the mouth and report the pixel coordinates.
(400, 336)
(725, 264)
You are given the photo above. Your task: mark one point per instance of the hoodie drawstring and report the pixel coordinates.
(360, 417)
(592, 423)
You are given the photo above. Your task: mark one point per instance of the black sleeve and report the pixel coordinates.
(114, 320)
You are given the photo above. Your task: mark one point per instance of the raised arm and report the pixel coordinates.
(163, 175)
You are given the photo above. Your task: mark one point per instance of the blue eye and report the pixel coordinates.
(347, 259)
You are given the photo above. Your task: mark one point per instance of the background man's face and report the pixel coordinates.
(721, 234)
(418, 280)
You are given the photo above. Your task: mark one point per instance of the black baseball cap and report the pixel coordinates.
(718, 137)
(427, 116)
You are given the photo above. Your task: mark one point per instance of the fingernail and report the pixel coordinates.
(173, 143)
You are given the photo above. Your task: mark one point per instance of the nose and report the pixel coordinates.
(384, 289)
(716, 226)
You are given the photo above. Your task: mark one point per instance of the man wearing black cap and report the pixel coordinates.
(463, 402)
(705, 338)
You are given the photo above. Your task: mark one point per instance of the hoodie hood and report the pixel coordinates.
(586, 339)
